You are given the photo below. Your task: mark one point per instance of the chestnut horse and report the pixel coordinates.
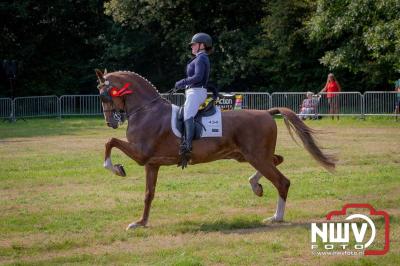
(248, 136)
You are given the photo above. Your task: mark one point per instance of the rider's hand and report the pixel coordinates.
(178, 84)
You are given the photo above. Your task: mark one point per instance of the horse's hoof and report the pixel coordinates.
(119, 170)
(273, 219)
(257, 189)
(135, 225)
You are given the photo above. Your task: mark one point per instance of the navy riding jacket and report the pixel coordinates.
(197, 72)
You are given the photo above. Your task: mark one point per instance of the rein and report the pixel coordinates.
(137, 110)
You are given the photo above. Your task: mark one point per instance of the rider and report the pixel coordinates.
(197, 72)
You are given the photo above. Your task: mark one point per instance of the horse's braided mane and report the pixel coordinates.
(143, 78)
(139, 76)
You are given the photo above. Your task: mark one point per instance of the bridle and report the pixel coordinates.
(120, 115)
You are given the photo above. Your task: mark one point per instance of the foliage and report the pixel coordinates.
(55, 43)
(259, 44)
(360, 36)
(283, 54)
(172, 23)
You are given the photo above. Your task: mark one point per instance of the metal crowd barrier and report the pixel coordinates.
(380, 102)
(6, 108)
(80, 105)
(41, 106)
(251, 100)
(349, 103)
(176, 98)
(256, 100)
(292, 100)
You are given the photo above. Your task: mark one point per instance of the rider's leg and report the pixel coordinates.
(194, 98)
(189, 133)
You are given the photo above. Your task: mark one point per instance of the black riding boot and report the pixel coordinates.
(186, 146)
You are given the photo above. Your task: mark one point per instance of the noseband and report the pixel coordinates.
(118, 115)
(105, 97)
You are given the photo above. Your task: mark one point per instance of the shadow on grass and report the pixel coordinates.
(236, 226)
(244, 225)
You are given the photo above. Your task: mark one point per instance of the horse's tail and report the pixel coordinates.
(305, 133)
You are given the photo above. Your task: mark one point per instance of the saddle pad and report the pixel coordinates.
(212, 124)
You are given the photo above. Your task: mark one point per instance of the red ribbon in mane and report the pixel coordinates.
(115, 92)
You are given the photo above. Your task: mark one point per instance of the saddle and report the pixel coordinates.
(208, 110)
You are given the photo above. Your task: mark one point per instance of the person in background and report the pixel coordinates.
(397, 106)
(308, 108)
(332, 87)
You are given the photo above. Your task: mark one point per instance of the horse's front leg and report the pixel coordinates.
(151, 182)
(128, 148)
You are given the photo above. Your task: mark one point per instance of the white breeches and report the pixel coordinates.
(194, 98)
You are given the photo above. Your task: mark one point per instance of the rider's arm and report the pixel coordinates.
(199, 71)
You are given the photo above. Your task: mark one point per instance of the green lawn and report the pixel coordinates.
(59, 206)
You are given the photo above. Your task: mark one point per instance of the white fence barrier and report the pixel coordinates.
(42, 106)
(380, 102)
(256, 100)
(80, 105)
(348, 103)
(176, 98)
(292, 100)
(6, 108)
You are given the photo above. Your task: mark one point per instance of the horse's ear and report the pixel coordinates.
(105, 71)
(99, 75)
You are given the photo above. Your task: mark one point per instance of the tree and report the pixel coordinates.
(169, 25)
(361, 36)
(283, 55)
(55, 42)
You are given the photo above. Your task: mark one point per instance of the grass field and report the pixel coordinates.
(59, 206)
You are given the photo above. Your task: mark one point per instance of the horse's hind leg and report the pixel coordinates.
(255, 186)
(283, 188)
(268, 169)
(253, 180)
(277, 159)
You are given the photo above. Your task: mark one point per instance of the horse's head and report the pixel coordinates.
(112, 90)
(124, 91)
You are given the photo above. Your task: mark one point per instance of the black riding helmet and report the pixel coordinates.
(202, 38)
